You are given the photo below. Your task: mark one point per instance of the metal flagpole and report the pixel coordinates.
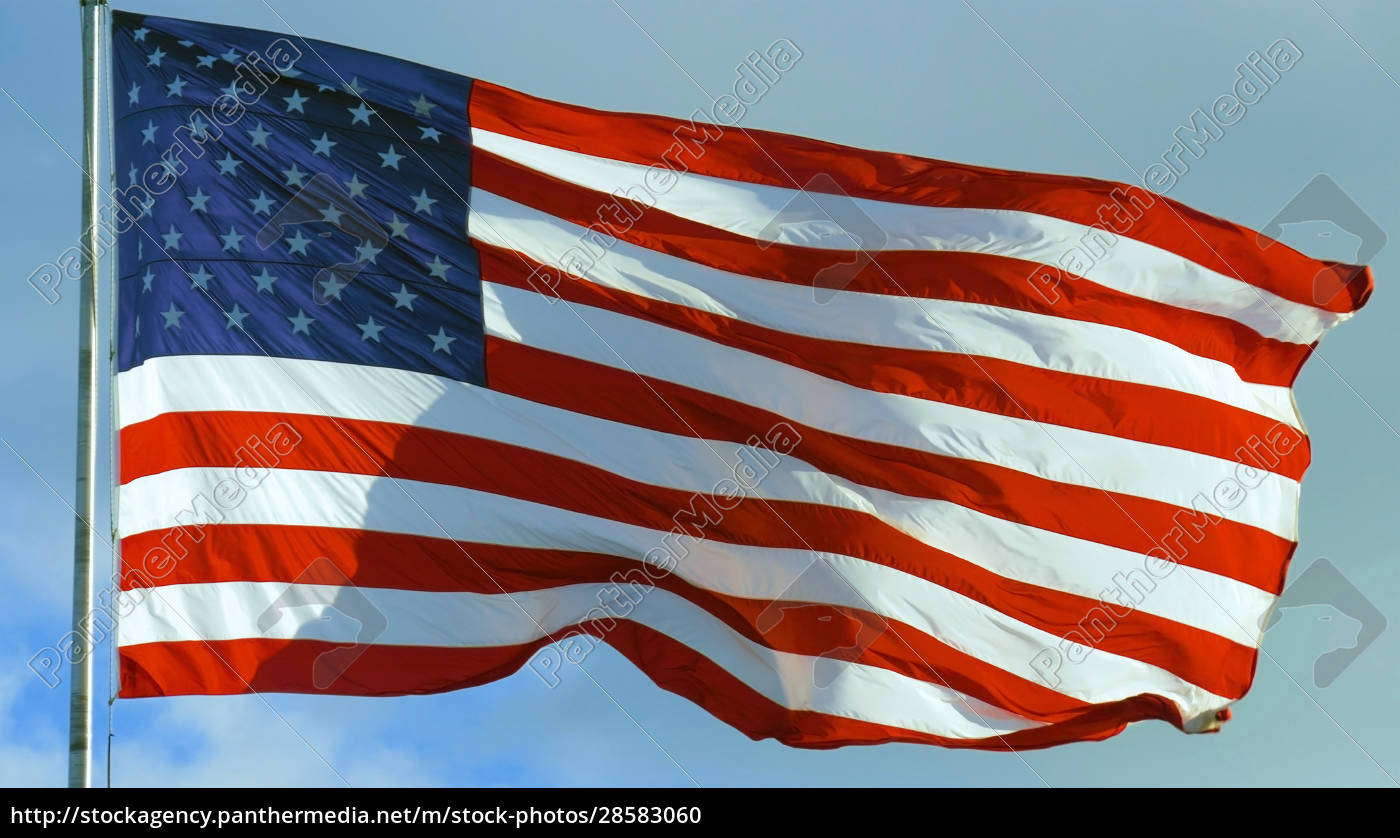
(80, 676)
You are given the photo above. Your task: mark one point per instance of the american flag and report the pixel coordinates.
(423, 380)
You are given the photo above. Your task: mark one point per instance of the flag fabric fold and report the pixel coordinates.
(423, 380)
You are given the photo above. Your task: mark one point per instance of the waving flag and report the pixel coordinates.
(423, 381)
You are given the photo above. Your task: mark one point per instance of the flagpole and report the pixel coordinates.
(81, 656)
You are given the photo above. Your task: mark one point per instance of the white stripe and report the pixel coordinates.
(1037, 340)
(1067, 455)
(1051, 560)
(1129, 266)
(229, 611)
(325, 499)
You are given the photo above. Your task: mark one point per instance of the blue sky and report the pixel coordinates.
(1086, 88)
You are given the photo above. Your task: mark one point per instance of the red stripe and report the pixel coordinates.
(231, 553)
(432, 456)
(942, 275)
(787, 161)
(1121, 409)
(240, 666)
(1240, 551)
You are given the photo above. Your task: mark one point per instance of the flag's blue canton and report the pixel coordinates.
(388, 136)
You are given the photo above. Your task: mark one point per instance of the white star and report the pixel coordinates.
(390, 157)
(293, 175)
(199, 129)
(232, 238)
(131, 175)
(430, 133)
(362, 113)
(146, 279)
(231, 90)
(198, 200)
(301, 323)
(422, 106)
(172, 238)
(235, 317)
(298, 243)
(176, 88)
(354, 86)
(230, 56)
(295, 101)
(259, 136)
(228, 165)
(403, 298)
(186, 44)
(441, 341)
(397, 227)
(356, 186)
(133, 96)
(154, 60)
(146, 207)
(172, 317)
(205, 60)
(324, 88)
(200, 278)
(333, 286)
(422, 203)
(331, 215)
(323, 145)
(369, 330)
(366, 252)
(264, 281)
(148, 134)
(140, 34)
(262, 205)
(438, 269)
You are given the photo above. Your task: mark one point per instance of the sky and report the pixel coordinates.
(1093, 89)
